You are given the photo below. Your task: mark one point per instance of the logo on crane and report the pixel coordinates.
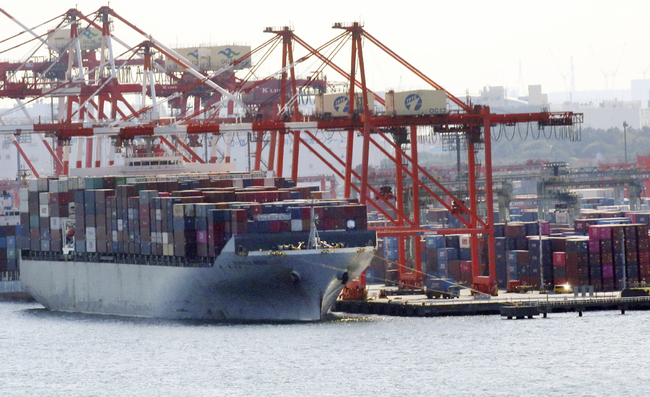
(413, 102)
(229, 53)
(342, 104)
(89, 34)
(194, 54)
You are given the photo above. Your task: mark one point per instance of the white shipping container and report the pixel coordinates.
(223, 56)
(212, 58)
(120, 225)
(42, 184)
(33, 185)
(263, 217)
(165, 238)
(417, 102)
(178, 211)
(54, 186)
(43, 198)
(338, 105)
(189, 209)
(24, 206)
(296, 225)
(465, 241)
(55, 223)
(562, 217)
(91, 245)
(44, 210)
(64, 185)
(23, 194)
(168, 249)
(91, 233)
(159, 215)
(89, 39)
(115, 236)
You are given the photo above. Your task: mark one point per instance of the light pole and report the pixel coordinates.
(625, 139)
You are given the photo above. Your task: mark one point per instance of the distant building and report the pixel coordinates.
(611, 114)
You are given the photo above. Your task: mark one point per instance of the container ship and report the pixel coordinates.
(208, 246)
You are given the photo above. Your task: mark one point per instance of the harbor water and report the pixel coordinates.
(57, 354)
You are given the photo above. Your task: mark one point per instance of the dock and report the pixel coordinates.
(516, 306)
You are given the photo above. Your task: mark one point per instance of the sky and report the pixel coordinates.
(463, 46)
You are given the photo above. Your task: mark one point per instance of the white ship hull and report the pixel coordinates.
(298, 285)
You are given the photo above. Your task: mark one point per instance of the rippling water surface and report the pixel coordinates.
(55, 354)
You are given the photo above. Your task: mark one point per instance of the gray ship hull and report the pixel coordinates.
(295, 285)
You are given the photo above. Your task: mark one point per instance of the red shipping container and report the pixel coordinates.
(600, 232)
(572, 267)
(559, 259)
(559, 281)
(545, 228)
(275, 226)
(558, 244)
(454, 270)
(348, 211)
(256, 208)
(466, 272)
(594, 245)
(329, 224)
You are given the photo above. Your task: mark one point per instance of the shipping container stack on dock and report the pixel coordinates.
(606, 250)
(173, 220)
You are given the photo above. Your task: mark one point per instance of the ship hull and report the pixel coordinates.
(295, 285)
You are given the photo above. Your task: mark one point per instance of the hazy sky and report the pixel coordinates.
(462, 45)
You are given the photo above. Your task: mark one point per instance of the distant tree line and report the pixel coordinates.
(594, 147)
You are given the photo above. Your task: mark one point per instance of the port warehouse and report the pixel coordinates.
(605, 250)
(173, 220)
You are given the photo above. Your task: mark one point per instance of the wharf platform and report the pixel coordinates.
(508, 305)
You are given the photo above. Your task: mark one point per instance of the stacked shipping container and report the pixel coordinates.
(173, 217)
